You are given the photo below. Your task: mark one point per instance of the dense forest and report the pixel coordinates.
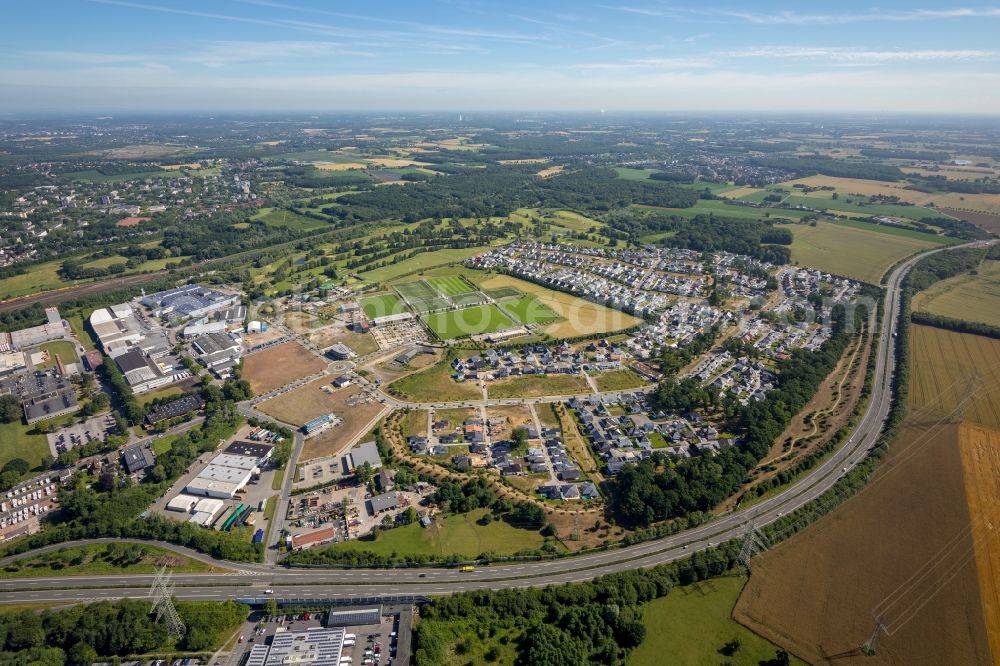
(497, 191)
(827, 166)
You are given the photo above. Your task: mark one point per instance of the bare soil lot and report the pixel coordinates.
(280, 365)
(899, 549)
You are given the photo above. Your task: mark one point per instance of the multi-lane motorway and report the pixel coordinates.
(252, 579)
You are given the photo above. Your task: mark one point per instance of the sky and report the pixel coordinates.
(83, 56)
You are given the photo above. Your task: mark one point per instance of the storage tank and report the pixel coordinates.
(263, 327)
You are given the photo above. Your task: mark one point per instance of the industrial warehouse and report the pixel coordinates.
(228, 473)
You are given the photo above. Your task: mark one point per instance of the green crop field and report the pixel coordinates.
(969, 297)
(722, 209)
(451, 285)
(912, 212)
(863, 254)
(692, 623)
(382, 305)
(529, 310)
(457, 535)
(469, 321)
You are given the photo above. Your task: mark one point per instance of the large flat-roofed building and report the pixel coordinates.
(231, 315)
(366, 452)
(116, 327)
(354, 617)
(313, 647)
(50, 405)
(189, 302)
(236, 462)
(141, 372)
(175, 408)
(219, 352)
(53, 329)
(11, 362)
(240, 477)
(202, 487)
(260, 452)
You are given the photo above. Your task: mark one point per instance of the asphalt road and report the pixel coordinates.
(252, 579)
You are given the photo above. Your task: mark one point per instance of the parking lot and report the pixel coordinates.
(79, 434)
(373, 645)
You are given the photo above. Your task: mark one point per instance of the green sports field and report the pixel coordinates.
(381, 305)
(451, 285)
(529, 310)
(470, 321)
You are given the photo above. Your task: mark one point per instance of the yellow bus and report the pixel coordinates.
(467, 567)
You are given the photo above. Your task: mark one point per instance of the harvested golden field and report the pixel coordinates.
(964, 173)
(866, 188)
(579, 317)
(980, 449)
(969, 297)
(339, 166)
(817, 593)
(283, 364)
(983, 203)
(944, 362)
(740, 192)
(551, 171)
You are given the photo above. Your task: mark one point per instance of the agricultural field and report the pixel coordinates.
(970, 297)
(577, 316)
(693, 623)
(816, 593)
(844, 250)
(272, 368)
(434, 385)
(529, 310)
(458, 534)
(722, 209)
(381, 305)
(944, 363)
(988, 221)
(475, 320)
(533, 386)
(980, 450)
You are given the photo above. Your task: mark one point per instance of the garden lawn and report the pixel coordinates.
(458, 534)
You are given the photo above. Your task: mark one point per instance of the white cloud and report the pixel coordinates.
(797, 18)
(857, 55)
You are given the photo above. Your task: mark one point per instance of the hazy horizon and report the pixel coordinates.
(644, 56)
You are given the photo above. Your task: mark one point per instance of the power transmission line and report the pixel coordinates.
(162, 592)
